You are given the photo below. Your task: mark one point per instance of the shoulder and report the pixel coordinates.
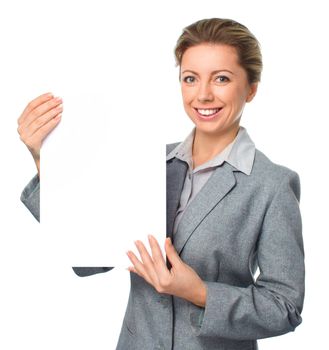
(263, 166)
(273, 176)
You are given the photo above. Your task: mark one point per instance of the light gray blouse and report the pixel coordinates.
(239, 153)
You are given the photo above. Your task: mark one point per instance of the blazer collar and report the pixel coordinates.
(221, 182)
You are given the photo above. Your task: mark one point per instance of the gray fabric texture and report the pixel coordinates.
(31, 196)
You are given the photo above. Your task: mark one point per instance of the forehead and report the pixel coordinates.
(210, 57)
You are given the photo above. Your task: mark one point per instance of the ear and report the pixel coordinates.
(252, 92)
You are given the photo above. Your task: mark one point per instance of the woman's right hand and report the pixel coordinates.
(38, 119)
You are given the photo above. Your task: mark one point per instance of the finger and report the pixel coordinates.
(41, 110)
(44, 119)
(139, 267)
(33, 104)
(144, 254)
(160, 266)
(156, 251)
(147, 261)
(45, 130)
(132, 269)
(171, 252)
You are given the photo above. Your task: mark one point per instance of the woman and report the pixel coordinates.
(229, 211)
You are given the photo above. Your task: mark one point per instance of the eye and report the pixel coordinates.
(222, 79)
(189, 79)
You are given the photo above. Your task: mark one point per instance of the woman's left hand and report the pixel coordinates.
(181, 280)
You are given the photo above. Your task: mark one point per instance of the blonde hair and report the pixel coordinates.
(227, 32)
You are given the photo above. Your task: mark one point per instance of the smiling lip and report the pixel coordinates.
(208, 116)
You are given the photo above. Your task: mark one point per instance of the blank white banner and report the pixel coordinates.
(103, 167)
(103, 180)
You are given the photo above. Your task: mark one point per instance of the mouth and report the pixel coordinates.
(208, 113)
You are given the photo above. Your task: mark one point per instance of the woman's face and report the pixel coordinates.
(215, 87)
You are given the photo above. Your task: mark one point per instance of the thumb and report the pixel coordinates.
(171, 252)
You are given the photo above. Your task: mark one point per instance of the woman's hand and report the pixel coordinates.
(38, 119)
(181, 280)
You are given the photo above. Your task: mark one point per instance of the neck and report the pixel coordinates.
(207, 145)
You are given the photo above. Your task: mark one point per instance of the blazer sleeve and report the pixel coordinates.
(272, 305)
(31, 196)
(31, 199)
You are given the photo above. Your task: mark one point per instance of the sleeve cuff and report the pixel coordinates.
(88, 271)
(30, 196)
(200, 316)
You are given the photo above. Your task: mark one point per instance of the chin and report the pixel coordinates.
(210, 126)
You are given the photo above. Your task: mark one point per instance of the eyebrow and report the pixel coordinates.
(213, 72)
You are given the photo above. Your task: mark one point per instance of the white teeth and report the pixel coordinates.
(208, 111)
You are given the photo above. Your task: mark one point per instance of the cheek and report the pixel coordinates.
(188, 94)
(235, 96)
(227, 94)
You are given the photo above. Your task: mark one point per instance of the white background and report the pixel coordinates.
(43, 304)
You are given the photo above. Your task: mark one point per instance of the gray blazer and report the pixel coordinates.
(235, 224)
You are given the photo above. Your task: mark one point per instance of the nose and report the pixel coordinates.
(205, 93)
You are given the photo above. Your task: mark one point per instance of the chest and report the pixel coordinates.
(223, 245)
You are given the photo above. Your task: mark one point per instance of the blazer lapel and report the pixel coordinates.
(176, 172)
(214, 190)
